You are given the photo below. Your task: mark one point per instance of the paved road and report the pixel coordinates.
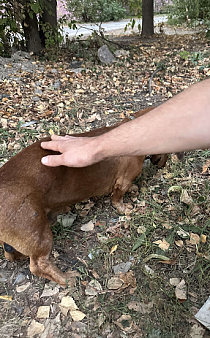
(109, 27)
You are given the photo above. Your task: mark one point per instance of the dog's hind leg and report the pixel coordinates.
(28, 232)
(10, 253)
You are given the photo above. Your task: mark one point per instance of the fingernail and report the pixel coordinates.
(44, 160)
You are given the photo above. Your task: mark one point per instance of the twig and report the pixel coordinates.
(150, 80)
(101, 35)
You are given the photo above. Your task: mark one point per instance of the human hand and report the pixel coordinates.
(74, 151)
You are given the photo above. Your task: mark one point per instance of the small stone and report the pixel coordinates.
(54, 71)
(121, 52)
(5, 275)
(38, 91)
(35, 98)
(122, 267)
(105, 55)
(57, 84)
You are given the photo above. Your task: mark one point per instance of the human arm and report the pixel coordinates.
(182, 123)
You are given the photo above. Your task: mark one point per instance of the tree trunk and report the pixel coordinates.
(147, 17)
(49, 17)
(31, 33)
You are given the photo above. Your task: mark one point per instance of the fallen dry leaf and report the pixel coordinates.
(128, 279)
(181, 291)
(172, 261)
(205, 167)
(194, 238)
(185, 198)
(166, 225)
(113, 249)
(68, 302)
(48, 291)
(77, 315)
(197, 331)
(203, 238)
(93, 287)
(43, 312)
(141, 229)
(22, 288)
(125, 322)
(174, 281)
(140, 307)
(114, 283)
(6, 297)
(95, 274)
(88, 226)
(179, 243)
(158, 198)
(35, 328)
(163, 244)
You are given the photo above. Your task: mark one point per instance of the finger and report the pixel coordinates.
(51, 145)
(52, 160)
(57, 137)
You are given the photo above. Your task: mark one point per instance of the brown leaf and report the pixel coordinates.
(181, 291)
(169, 261)
(125, 322)
(163, 244)
(205, 167)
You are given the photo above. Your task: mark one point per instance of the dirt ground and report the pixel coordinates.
(130, 267)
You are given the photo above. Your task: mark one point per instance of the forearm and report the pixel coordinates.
(182, 123)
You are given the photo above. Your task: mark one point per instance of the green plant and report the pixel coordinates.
(96, 10)
(195, 57)
(132, 24)
(184, 54)
(52, 35)
(190, 11)
(135, 8)
(9, 26)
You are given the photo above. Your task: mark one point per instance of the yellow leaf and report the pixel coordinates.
(6, 297)
(203, 238)
(113, 249)
(51, 132)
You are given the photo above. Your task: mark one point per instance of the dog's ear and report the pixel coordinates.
(159, 160)
(8, 248)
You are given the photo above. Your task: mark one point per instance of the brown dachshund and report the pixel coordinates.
(30, 191)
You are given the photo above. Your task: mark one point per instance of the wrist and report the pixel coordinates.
(97, 149)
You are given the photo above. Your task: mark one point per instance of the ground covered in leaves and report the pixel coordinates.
(144, 274)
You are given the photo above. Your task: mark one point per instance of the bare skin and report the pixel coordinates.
(180, 124)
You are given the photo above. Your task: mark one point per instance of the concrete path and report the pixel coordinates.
(112, 27)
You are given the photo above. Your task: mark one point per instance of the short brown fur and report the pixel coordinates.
(29, 191)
